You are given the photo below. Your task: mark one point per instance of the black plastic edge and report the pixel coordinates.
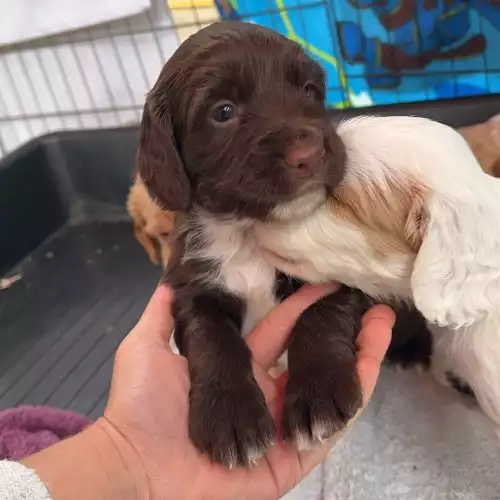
(94, 167)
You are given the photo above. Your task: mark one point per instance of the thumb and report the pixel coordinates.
(373, 342)
(156, 323)
(267, 341)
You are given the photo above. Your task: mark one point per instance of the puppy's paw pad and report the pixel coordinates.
(320, 404)
(233, 426)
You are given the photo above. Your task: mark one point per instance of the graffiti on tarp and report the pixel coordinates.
(420, 32)
(382, 51)
(227, 9)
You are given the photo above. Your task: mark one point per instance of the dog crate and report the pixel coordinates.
(70, 103)
(374, 53)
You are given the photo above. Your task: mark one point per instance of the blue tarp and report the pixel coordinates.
(388, 51)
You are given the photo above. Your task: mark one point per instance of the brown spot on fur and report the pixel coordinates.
(391, 216)
(416, 224)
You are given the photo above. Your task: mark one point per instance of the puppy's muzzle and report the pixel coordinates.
(306, 152)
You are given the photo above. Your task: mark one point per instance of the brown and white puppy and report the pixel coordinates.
(152, 224)
(235, 133)
(415, 219)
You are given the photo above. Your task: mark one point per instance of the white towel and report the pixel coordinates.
(17, 482)
(23, 20)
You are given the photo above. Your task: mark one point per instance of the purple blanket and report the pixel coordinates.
(28, 429)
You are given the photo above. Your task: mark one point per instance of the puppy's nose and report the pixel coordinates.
(306, 151)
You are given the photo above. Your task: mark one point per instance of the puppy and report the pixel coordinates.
(414, 219)
(152, 225)
(484, 140)
(235, 135)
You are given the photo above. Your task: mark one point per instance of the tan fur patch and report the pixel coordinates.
(152, 225)
(484, 140)
(390, 216)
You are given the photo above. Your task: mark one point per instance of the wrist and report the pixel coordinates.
(98, 464)
(132, 478)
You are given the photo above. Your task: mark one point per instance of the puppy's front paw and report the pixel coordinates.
(443, 305)
(231, 424)
(320, 402)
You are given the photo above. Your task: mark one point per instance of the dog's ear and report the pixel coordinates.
(159, 162)
(456, 274)
(148, 243)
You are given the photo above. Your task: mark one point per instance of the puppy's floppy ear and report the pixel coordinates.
(148, 243)
(456, 275)
(159, 162)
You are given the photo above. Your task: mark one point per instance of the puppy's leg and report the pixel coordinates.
(228, 416)
(323, 392)
(411, 344)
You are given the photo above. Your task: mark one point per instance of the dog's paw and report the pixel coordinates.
(320, 403)
(442, 304)
(232, 425)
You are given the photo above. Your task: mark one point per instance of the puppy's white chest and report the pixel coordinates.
(242, 268)
(249, 277)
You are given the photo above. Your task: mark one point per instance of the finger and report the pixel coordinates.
(379, 311)
(373, 342)
(156, 321)
(267, 341)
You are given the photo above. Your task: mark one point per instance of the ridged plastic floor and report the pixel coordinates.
(80, 293)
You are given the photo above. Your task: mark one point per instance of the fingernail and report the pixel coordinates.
(380, 312)
(333, 286)
(319, 290)
(327, 288)
(164, 291)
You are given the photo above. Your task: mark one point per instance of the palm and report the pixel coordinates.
(281, 469)
(149, 405)
(158, 425)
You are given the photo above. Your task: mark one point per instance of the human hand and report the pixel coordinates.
(147, 412)
(140, 449)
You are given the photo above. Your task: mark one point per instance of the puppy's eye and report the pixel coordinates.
(313, 91)
(224, 112)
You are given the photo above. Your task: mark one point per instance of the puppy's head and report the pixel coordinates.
(237, 124)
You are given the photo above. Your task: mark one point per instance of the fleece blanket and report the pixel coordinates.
(28, 429)
(415, 441)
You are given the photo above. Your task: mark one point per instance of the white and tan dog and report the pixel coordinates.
(415, 219)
